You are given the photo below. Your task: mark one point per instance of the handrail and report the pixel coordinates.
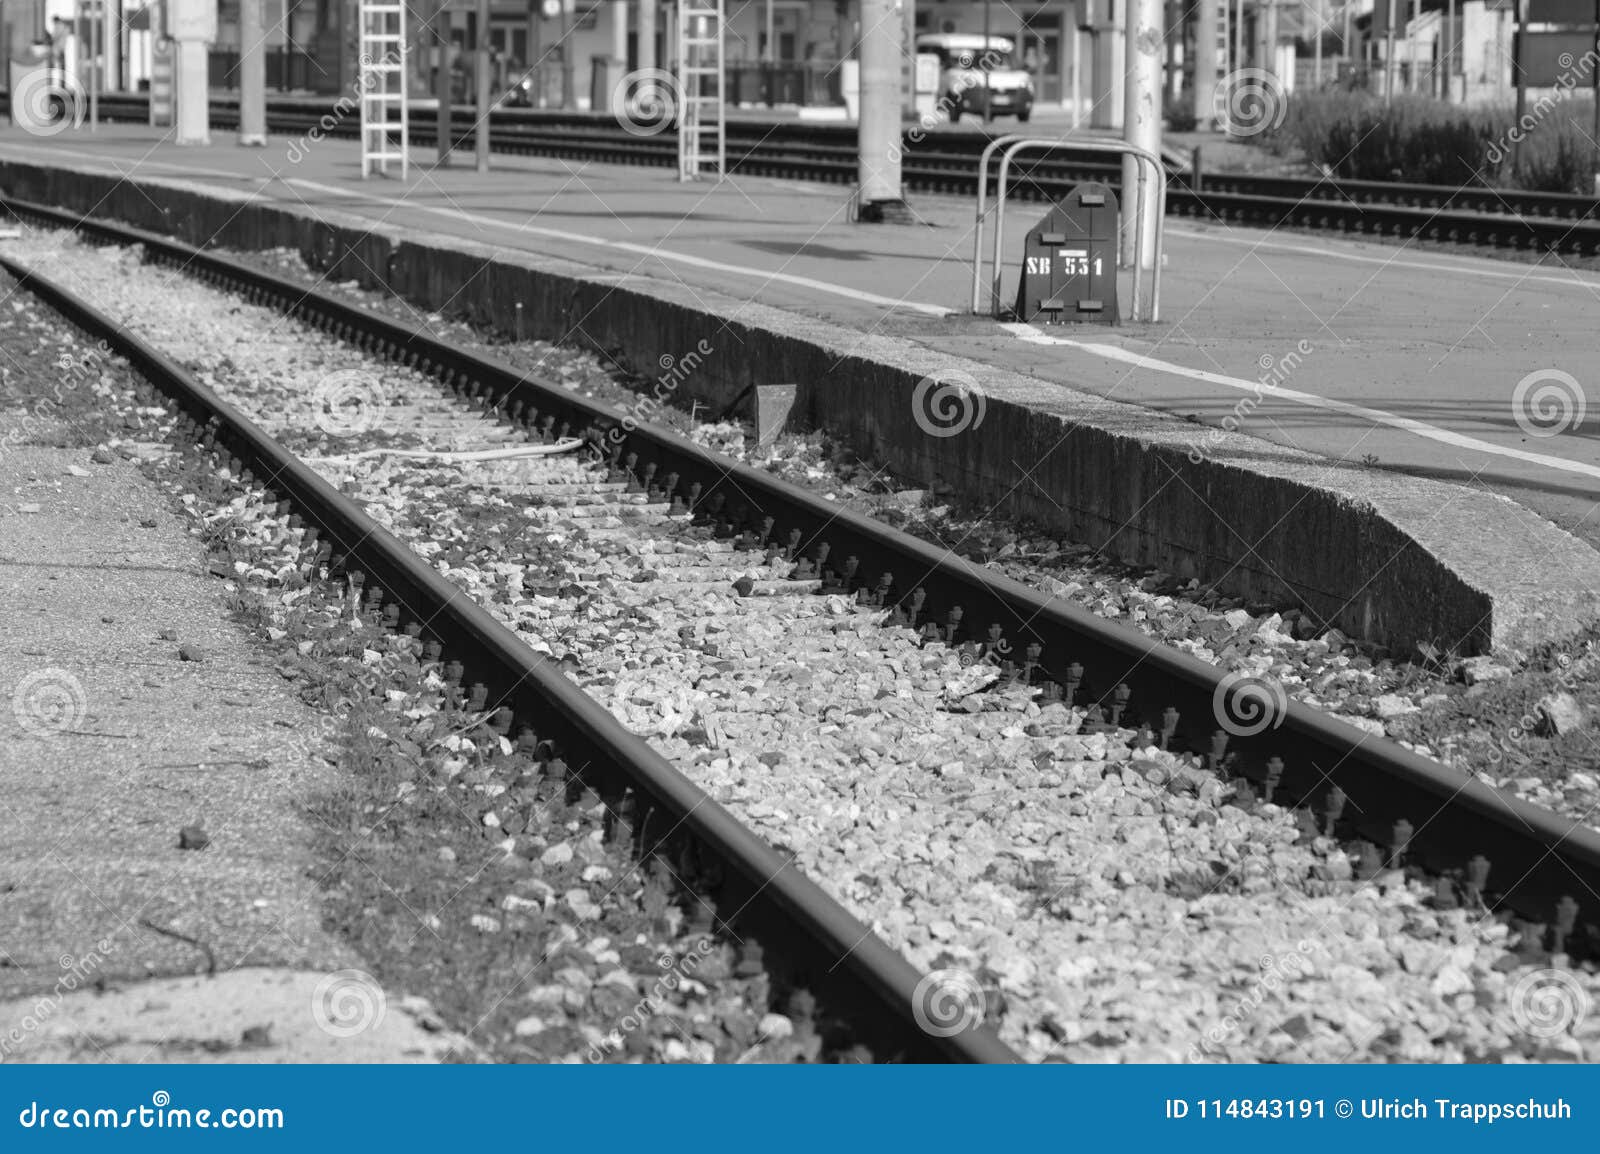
(1141, 156)
(983, 187)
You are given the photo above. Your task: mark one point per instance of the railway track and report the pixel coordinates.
(810, 940)
(945, 161)
(1473, 846)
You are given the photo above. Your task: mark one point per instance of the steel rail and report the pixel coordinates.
(808, 934)
(1538, 857)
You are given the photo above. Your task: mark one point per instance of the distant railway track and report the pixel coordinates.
(1401, 809)
(945, 161)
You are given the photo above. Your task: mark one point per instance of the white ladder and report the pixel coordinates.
(702, 80)
(385, 129)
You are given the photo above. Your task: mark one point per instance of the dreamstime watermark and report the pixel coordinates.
(1548, 1003)
(1274, 371)
(49, 701)
(1575, 74)
(1247, 706)
(367, 79)
(348, 402)
(161, 1114)
(946, 404)
(1548, 402)
(676, 972)
(646, 101)
(75, 972)
(1249, 101)
(48, 101)
(1276, 971)
(947, 1002)
(348, 1002)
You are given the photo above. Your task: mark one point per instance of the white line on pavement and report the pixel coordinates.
(1279, 393)
(665, 255)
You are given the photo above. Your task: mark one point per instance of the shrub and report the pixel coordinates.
(1414, 139)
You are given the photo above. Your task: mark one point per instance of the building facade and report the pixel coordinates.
(781, 52)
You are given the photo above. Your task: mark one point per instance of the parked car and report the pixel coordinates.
(974, 73)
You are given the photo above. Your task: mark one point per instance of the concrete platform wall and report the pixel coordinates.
(1109, 474)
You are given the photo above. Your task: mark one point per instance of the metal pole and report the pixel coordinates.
(1205, 62)
(94, 65)
(767, 55)
(110, 46)
(1344, 43)
(536, 51)
(480, 138)
(1141, 124)
(988, 104)
(1522, 88)
(252, 75)
(1316, 70)
(441, 83)
(566, 55)
(1412, 81)
(879, 129)
(1388, 55)
(1449, 43)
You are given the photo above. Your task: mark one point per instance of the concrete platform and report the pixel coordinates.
(1388, 369)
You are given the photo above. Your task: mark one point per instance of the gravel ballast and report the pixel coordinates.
(1488, 717)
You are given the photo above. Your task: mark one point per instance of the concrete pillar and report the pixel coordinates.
(1141, 125)
(190, 75)
(619, 34)
(1271, 38)
(111, 45)
(647, 34)
(1106, 65)
(252, 74)
(879, 132)
(1205, 62)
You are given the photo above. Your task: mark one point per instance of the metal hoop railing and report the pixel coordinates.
(1015, 144)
